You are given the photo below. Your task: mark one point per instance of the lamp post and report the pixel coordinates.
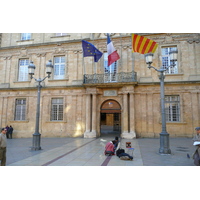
(164, 135)
(31, 70)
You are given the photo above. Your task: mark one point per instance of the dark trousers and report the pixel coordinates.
(125, 154)
(10, 135)
(3, 156)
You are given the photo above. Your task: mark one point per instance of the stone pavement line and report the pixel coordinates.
(106, 161)
(55, 159)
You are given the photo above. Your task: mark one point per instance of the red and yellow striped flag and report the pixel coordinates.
(143, 45)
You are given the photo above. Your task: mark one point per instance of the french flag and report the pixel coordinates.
(112, 52)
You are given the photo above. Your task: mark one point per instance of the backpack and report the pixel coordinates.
(119, 151)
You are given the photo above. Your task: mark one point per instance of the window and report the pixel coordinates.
(20, 109)
(166, 60)
(59, 67)
(57, 109)
(172, 108)
(25, 36)
(109, 71)
(61, 34)
(23, 70)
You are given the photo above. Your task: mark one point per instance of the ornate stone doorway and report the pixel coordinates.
(110, 119)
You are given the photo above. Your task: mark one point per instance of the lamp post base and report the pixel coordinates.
(164, 143)
(36, 142)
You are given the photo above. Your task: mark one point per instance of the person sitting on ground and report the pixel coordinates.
(116, 143)
(109, 148)
(122, 155)
(125, 156)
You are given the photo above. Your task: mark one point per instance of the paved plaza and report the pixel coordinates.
(90, 152)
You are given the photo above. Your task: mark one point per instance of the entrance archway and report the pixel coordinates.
(110, 119)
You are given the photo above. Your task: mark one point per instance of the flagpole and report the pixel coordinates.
(132, 55)
(83, 63)
(94, 65)
(95, 74)
(121, 64)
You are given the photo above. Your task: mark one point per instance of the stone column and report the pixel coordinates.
(126, 120)
(125, 115)
(88, 116)
(91, 116)
(94, 115)
(132, 115)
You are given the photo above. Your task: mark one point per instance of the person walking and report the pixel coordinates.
(196, 140)
(7, 127)
(10, 131)
(3, 144)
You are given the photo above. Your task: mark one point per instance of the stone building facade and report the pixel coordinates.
(81, 96)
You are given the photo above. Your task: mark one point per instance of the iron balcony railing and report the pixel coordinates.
(110, 78)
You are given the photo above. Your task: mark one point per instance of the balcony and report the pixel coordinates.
(122, 77)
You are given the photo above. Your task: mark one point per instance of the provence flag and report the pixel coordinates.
(90, 50)
(143, 45)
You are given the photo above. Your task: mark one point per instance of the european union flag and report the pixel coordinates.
(90, 50)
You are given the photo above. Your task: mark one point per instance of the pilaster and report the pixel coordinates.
(91, 114)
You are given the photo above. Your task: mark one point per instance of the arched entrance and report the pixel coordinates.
(110, 119)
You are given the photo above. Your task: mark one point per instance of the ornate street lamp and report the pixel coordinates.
(164, 135)
(31, 71)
